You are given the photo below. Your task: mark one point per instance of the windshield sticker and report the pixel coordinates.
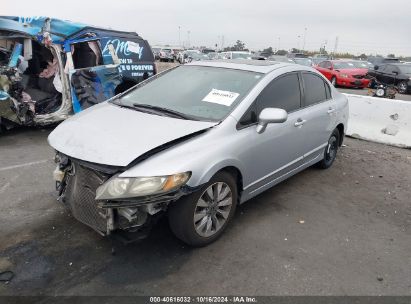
(224, 98)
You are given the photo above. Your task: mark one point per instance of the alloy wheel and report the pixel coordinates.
(402, 87)
(331, 149)
(213, 209)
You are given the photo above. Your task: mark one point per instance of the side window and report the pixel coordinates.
(283, 92)
(382, 68)
(326, 64)
(314, 89)
(86, 54)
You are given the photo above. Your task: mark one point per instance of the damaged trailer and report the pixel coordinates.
(51, 69)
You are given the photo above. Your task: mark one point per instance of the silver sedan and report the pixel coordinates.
(192, 143)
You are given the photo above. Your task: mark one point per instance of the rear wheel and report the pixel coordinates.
(402, 87)
(330, 152)
(334, 81)
(200, 218)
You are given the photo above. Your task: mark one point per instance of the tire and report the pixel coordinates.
(330, 152)
(402, 87)
(194, 217)
(334, 81)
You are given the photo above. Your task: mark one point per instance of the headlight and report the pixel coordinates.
(344, 75)
(127, 187)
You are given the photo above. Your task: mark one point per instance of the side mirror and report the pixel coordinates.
(376, 67)
(270, 115)
(395, 73)
(331, 68)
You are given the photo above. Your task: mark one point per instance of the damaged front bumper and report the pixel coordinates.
(77, 182)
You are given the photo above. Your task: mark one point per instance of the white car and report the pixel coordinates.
(236, 55)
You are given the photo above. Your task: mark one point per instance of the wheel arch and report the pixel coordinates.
(340, 128)
(233, 169)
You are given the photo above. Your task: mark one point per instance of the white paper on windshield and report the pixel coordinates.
(225, 98)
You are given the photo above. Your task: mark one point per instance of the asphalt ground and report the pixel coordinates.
(341, 231)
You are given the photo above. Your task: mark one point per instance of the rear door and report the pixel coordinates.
(319, 114)
(91, 80)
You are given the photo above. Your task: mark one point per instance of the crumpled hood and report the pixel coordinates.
(111, 135)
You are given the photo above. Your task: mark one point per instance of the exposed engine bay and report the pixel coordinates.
(30, 81)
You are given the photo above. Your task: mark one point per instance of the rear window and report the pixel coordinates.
(129, 50)
(136, 56)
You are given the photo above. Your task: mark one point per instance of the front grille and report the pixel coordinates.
(358, 76)
(80, 196)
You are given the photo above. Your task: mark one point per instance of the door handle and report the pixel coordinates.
(299, 122)
(331, 110)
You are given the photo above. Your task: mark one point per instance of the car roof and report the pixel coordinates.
(60, 29)
(260, 66)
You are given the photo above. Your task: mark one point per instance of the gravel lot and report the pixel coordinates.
(342, 231)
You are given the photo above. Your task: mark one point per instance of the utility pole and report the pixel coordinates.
(305, 34)
(335, 45)
(298, 42)
(188, 38)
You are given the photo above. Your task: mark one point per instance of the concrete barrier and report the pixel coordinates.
(380, 120)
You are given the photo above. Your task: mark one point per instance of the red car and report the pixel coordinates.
(344, 73)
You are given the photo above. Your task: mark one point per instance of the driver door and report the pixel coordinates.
(275, 153)
(91, 80)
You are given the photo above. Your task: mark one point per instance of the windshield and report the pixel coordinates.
(241, 56)
(361, 64)
(204, 93)
(405, 69)
(343, 65)
(304, 61)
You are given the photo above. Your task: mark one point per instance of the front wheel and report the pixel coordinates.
(200, 218)
(402, 87)
(330, 152)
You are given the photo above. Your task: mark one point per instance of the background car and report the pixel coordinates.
(362, 64)
(344, 73)
(182, 57)
(261, 56)
(236, 55)
(317, 60)
(378, 60)
(397, 74)
(156, 52)
(303, 61)
(280, 59)
(166, 55)
(296, 55)
(197, 57)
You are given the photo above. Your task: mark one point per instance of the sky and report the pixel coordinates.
(362, 26)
